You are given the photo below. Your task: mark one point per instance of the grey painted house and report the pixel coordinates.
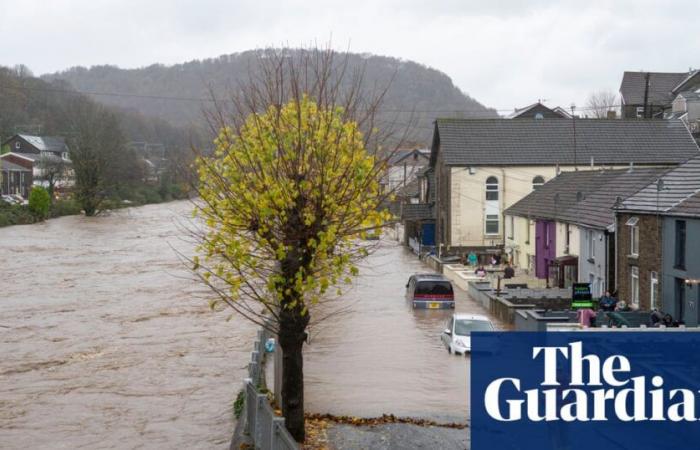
(673, 202)
(647, 95)
(581, 204)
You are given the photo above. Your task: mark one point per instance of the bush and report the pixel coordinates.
(39, 202)
(67, 207)
(15, 215)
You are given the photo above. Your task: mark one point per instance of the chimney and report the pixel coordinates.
(631, 169)
(592, 162)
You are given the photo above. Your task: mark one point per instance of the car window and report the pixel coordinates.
(434, 287)
(466, 326)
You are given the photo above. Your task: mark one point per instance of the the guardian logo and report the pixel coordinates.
(587, 389)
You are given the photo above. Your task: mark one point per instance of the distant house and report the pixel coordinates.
(565, 230)
(15, 179)
(418, 212)
(404, 165)
(647, 95)
(686, 107)
(484, 166)
(658, 265)
(24, 147)
(539, 111)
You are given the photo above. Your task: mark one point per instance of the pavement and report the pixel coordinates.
(396, 436)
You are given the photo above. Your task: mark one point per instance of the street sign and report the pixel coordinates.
(581, 296)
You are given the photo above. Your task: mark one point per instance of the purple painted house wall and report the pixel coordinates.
(545, 246)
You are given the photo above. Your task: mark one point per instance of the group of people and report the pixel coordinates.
(472, 260)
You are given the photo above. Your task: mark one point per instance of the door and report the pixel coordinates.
(545, 250)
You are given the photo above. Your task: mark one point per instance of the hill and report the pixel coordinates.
(416, 90)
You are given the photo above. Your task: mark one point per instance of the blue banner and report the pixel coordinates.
(585, 390)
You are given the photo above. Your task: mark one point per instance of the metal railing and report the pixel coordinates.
(260, 424)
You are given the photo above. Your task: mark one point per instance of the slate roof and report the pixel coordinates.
(475, 142)
(661, 85)
(584, 197)
(39, 157)
(46, 143)
(520, 112)
(400, 155)
(678, 194)
(417, 211)
(7, 165)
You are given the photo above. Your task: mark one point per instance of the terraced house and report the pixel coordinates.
(565, 230)
(484, 166)
(658, 263)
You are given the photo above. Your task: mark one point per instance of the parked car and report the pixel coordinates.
(457, 333)
(430, 291)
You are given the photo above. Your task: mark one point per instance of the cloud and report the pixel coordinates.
(504, 53)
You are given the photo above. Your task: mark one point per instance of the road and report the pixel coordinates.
(384, 357)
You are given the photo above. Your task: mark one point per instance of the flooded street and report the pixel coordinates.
(383, 356)
(106, 343)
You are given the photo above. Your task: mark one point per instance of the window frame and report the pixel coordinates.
(536, 183)
(679, 255)
(634, 286)
(511, 226)
(492, 218)
(492, 189)
(633, 223)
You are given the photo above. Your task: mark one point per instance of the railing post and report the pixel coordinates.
(278, 374)
(249, 390)
(259, 402)
(277, 426)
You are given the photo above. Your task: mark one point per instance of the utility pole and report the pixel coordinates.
(646, 96)
(573, 121)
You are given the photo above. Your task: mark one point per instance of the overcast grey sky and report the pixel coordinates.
(504, 53)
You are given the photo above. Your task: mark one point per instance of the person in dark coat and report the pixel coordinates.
(508, 272)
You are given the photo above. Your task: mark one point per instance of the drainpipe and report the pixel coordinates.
(503, 207)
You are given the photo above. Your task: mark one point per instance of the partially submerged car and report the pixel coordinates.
(430, 291)
(457, 334)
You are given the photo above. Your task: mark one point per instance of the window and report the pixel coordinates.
(680, 244)
(640, 112)
(634, 235)
(511, 227)
(64, 155)
(653, 294)
(567, 237)
(527, 232)
(537, 182)
(492, 188)
(492, 224)
(590, 243)
(634, 286)
(18, 145)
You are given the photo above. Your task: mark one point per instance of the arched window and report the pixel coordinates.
(537, 182)
(492, 188)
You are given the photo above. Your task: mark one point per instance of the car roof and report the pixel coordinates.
(429, 276)
(471, 317)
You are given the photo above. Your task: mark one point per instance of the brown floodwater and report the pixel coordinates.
(384, 357)
(105, 341)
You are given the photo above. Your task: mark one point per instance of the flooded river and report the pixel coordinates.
(106, 343)
(384, 357)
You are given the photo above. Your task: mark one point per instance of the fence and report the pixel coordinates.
(260, 426)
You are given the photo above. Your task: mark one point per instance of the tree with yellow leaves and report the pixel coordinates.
(289, 193)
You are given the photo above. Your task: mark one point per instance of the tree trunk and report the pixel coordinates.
(291, 339)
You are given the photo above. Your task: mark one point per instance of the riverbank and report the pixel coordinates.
(125, 198)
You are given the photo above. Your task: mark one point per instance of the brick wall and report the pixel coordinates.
(649, 258)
